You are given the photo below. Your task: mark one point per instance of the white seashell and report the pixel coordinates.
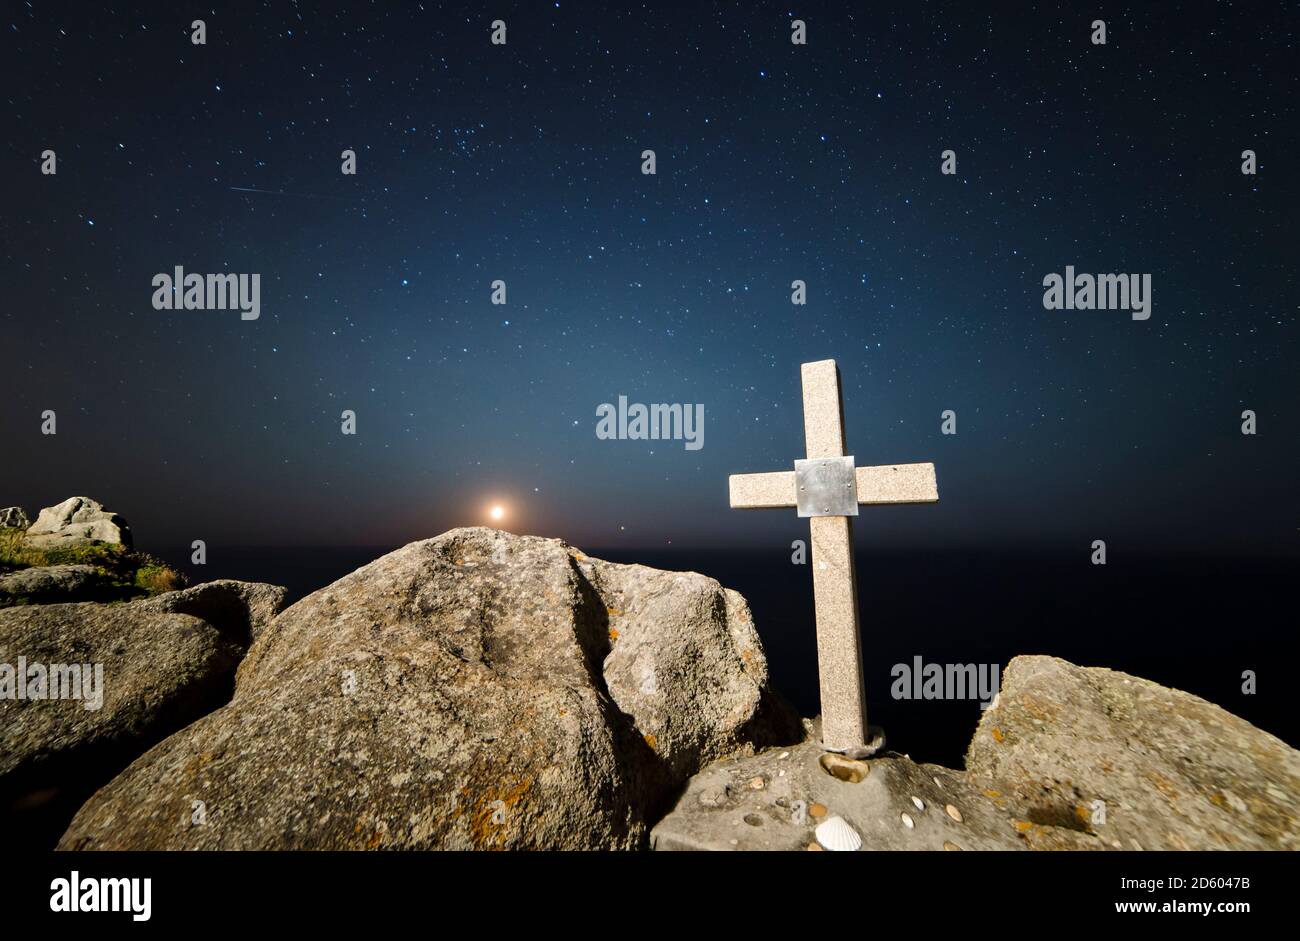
(953, 812)
(920, 804)
(908, 822)
(834, 834)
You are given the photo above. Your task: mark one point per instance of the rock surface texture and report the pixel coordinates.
(14, 517)
(1067, 757)
(77, 521)
(478, 690)
(1170, 770)
(776, 801)
(162, 662)
(241, 610)
(49, 583)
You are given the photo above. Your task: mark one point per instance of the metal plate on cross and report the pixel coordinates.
(826, 486)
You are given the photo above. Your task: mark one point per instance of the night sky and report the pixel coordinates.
(775, 162)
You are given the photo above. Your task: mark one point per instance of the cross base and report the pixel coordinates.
(875, 743)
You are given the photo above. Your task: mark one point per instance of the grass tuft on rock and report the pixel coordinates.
(131, 574)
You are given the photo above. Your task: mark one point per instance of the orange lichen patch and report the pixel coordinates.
(992, 794)
(485, 832)
(1037, 708)
(1023, 826)
(1163, 785)
(613, 612)
(613, 634)
(997, 735)
(747, 657)
(1218, 800)
(1083, 813)
(650, 740)
(194, 765)
(457, 561)
(371, 842)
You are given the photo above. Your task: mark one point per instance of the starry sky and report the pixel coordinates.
(775, 162)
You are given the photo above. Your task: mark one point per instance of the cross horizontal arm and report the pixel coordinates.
(756, 491)
(888, 483)
(896, 483)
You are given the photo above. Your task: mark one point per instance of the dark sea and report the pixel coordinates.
(1189, 622)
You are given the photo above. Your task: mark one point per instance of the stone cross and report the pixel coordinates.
(827, 488)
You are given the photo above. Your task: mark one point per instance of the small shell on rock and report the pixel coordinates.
(950, 845)
(835, 834)
(920, 804)
(846, 769)
(815, 847)
(908, 821)
(817, 810)
(756, 784)
(713, 797)
(953, 812)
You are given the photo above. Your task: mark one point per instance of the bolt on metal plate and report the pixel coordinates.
(826, 486)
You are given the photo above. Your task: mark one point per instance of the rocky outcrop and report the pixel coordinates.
(139, 676)
(474, 691)
(14, 517)
(1067, 745)
(50, 583)
(77, 521)
(1067, 757)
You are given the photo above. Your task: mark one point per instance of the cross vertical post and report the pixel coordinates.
(835, 583)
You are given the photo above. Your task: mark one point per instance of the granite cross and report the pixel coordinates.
(827, 488)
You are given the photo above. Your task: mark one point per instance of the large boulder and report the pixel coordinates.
(475, 691)
(77, 521)
(14, 517)
(1162, 768)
